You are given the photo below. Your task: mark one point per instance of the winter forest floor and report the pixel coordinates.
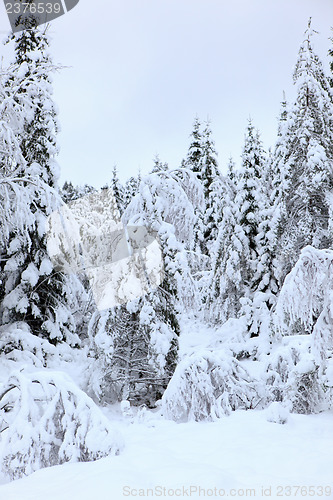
(240, 452)
(234, 456)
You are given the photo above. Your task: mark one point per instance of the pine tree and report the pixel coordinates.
(32, 291)
(308, 156)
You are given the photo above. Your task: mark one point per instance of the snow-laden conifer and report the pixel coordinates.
(47, 420)
(307, 160)
(207, 386)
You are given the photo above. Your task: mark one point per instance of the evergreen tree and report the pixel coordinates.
(308, 158)
(225, 286)
(193, 163)
(330, 53)
(68, 192)
(131, 189)
(249, 199)
(32, 291)
(118, 190)
(231, 172)
(240, 253)
(281, 168)
(71, 193)
(128, 344)
(195, 151)
(213, 188)
(201, 159)
(159, 166)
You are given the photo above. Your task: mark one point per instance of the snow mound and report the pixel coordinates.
(46, 420)
(277, 413)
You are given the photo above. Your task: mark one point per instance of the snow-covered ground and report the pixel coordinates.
(236, 456)
(242, 455)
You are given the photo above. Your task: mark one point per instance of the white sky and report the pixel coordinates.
(140, 70)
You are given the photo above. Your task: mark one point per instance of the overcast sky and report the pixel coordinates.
(141, 70)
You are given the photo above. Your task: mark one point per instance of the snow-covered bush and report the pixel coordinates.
(305, 387)
(305, 305)
(46, 420)
(294, 378)
(208, 385)
(306, 300)
(280, 363)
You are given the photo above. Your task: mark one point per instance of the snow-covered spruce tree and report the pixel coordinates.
(159, 166)
(118, 190)
(71, 193)
(68, 192)
(249, 199)
(131, 189)
(225, 285)
(308, 155)
(132, 345)
(31, 290)
(135, 349)
(258, 220)
(214, 186)
(162, 204)
(192, 163)
(305, 298)
(271, 221)
(281, 169)
(14, 199)
(242, 260)
(280, 172)
(202, 160)
(195, 150)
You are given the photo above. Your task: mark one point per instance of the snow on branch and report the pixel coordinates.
(304, 289)
(45, 420)
(163, 197)
(307, 297)
(207, 386)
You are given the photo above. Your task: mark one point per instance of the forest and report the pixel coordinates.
(190, 293)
